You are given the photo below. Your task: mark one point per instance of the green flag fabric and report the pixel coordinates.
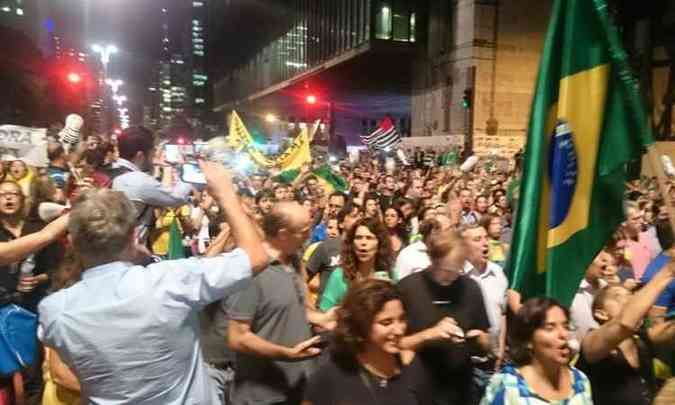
(587, 121)
(176, 249)
(330, 180)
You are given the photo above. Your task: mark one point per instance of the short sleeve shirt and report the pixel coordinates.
(274, 303)
(426, 303)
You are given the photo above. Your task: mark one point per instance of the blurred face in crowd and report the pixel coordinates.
(663, 213)
(466, 199)
(257, 182)
(634, 221)
(447, 269)
(389, 184)
(93, 142)
(265, 204)
(357, 185)
(296, 231)
(495, 228)
(391, 218)
(596, 270)
(416, 189)
(11, 200)
(614, 304)
(335, 204)
(429, 214)
(549, 342)
(365, 244)
(389, 326)
(477, 241)
(280, 193)
(351, 218)
(18, 169)
(372, 208)
(649, 216)
(481, 204)
(333, 229)
(503, 202)
(312, 185)
(407, 210)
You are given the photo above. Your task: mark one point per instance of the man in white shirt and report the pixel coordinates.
(492, 281)
(581, 311)
(414, 258)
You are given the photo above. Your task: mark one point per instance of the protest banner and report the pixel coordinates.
(24, 143)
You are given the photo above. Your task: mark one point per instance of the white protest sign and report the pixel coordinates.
(23, 143)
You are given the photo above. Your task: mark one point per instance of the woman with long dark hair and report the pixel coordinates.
(394, 222)
(367, 363)
(366, 253)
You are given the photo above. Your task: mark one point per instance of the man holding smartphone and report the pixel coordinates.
(130, 176)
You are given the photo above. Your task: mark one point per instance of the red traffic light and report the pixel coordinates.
(74, 78)
(311, 99)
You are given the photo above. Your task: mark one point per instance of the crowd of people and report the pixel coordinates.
(393, 291)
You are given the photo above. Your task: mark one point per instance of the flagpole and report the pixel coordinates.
(654, 163)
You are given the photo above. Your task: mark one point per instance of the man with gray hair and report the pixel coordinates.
(131, 333)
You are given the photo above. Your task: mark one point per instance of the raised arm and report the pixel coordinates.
(600, 342)
(18, 249)
(219, 182)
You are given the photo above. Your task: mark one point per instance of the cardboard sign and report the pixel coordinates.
(23, 143)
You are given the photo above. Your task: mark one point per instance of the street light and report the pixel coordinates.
(114, 84)
(119, 99)
(105, 51)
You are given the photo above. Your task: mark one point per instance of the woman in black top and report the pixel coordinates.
(367, 365)
(617, 358)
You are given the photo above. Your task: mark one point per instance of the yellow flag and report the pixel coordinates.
(239, 136)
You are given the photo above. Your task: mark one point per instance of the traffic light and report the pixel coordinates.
(310, 99)
(74, 78)
(467, 98)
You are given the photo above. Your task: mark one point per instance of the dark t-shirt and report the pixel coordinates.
(274, 303)
(323, 261)
(615, 382)
(426, 304)
(335, 385)
(46, 261)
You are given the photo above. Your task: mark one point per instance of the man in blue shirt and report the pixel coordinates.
(137, 153)
(131, 333)
(666, 301)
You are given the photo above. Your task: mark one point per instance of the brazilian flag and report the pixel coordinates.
(587, 122)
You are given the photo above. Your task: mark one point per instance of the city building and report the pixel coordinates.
(199, 92)
(462, 70)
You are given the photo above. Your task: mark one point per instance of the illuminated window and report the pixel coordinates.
(197, 4)
(383, 22)
(19, 11)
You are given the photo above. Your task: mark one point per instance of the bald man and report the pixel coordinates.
(268, 324)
